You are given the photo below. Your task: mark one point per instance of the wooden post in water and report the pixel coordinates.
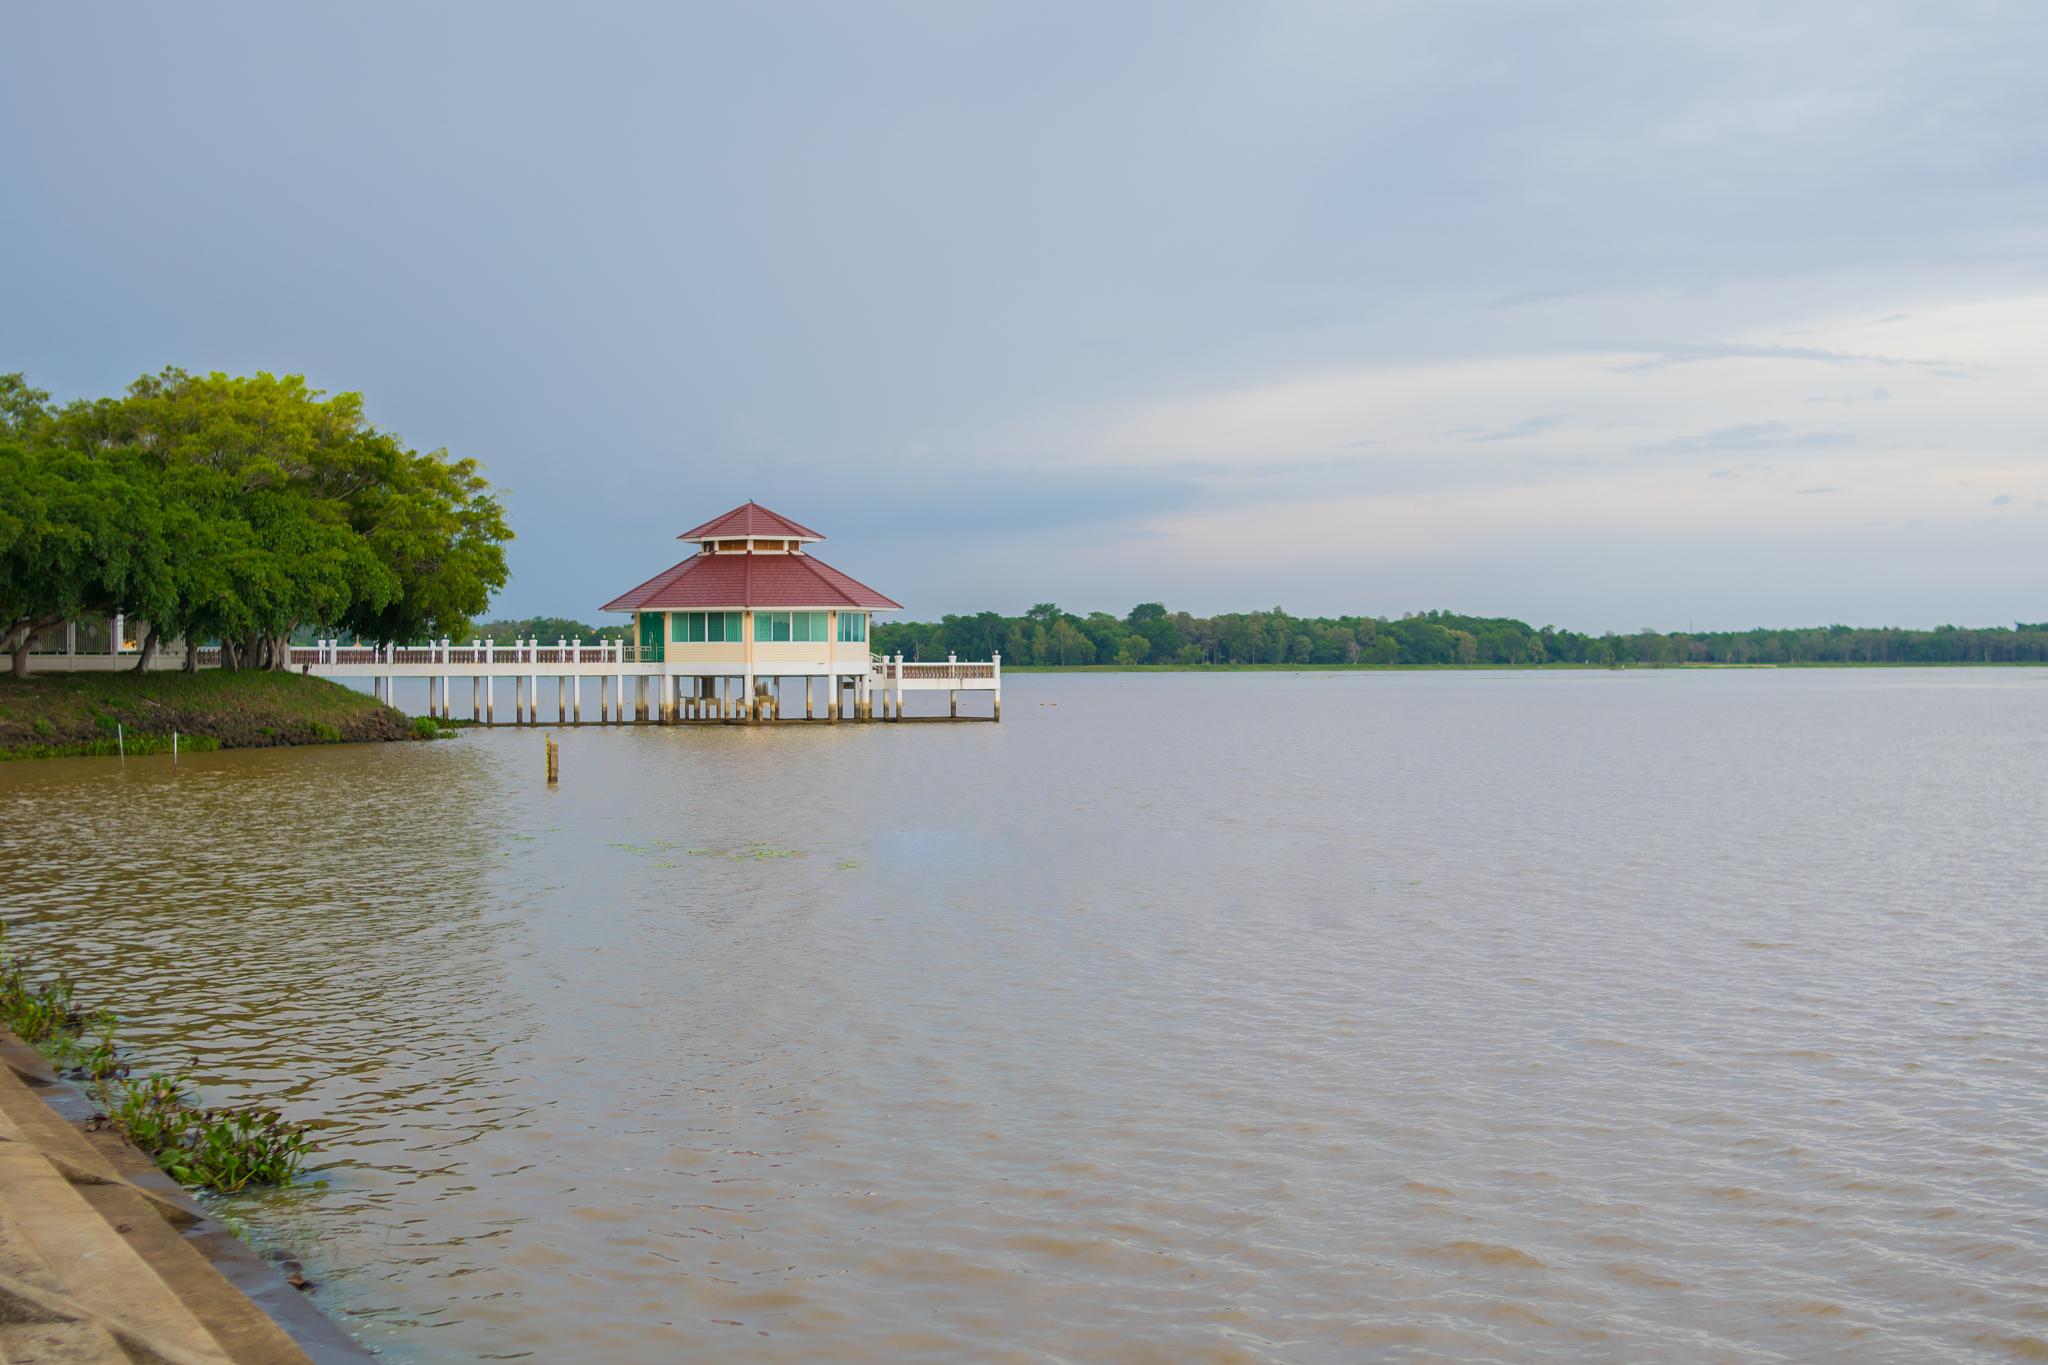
(554, 762)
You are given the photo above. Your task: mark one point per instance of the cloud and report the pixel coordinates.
(1700, 354)
(2002, 500)
(1748, 436)
(1522, 430)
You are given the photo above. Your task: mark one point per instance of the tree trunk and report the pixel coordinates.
(191, 664)
(18, 645)
(149, 644)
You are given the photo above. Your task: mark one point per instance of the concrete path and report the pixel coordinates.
(95, 1266)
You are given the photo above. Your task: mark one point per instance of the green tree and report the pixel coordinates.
(346, 525)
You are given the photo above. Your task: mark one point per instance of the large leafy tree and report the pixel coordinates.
(77, 538)
(294, 510)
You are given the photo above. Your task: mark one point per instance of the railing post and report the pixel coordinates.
(999, 684)
(576, 650)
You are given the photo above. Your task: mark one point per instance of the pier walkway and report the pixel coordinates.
(665, 688)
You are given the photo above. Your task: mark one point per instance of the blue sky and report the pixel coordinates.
(1607, 315)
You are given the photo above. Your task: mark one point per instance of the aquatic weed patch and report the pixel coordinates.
(225, 1150)
(755, 852)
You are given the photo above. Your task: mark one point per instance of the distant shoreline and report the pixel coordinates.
(1502, 668)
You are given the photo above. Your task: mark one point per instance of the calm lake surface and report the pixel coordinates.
(1503, 1016)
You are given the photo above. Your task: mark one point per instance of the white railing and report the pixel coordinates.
(444, 651)
(889, 668)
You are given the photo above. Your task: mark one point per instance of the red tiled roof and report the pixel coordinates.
(750, 519)
(750, 581)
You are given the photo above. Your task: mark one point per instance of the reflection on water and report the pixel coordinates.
(1251, 1017)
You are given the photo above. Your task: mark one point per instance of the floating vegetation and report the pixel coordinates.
(215, 1149)
(752, 852)
(226, 1150)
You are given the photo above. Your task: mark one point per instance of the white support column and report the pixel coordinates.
(114, 633)
(999, 685)
(953, 693)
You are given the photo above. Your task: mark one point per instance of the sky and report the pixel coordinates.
(1600, 315)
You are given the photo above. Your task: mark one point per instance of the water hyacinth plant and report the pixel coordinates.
(224, 1150)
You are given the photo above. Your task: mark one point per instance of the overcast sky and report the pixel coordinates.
(1606, 315)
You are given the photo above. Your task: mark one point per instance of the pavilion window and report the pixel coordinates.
(853, 626)
(807, 626)
(705, 627)
(771, 626)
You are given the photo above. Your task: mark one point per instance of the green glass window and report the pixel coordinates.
(853, 626)
(771, 626)
(705, 627)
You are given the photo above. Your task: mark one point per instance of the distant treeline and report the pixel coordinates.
(1150, 634)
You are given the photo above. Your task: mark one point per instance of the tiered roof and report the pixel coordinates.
(731, 580)
(750, 519)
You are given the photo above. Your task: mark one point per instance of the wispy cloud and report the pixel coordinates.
(1519, 431)
(1748, 436)
(1722, 350)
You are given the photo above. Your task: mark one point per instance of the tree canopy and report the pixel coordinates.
(1150, 634)
(239, 509)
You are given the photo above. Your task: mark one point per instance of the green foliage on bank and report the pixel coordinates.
(50, 715)
(239, 510)
(1150, 635)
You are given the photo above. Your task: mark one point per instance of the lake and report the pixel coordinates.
(1244, 1017)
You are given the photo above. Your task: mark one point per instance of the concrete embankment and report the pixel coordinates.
(104, 1259)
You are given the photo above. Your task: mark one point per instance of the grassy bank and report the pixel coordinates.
(54, 715)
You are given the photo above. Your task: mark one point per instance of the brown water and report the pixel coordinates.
(1507, 1016)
